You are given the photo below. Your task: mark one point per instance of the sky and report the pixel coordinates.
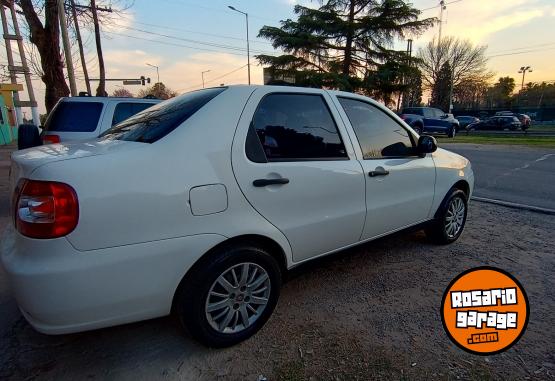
(186, 37)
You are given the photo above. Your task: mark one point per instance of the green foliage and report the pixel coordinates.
(499, 95)
(345, 44)
(537, 95)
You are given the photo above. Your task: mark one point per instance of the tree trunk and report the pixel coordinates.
(349, 40)
(47, 40)
(101, 89)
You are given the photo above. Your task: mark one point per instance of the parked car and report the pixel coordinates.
(497, 123)
(199, 205)
(83, 117)
(430, 120)
(524, 120)
(465, 120)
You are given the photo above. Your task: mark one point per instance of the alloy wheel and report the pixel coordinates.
(454, 218)
(237, 298)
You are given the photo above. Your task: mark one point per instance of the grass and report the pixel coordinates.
(544, 127)
(534, 141)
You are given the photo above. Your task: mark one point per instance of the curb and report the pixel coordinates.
(514, 205)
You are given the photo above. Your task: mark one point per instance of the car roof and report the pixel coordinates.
(110, 99)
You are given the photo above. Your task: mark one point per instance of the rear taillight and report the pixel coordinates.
(45, 209)
(50, 139)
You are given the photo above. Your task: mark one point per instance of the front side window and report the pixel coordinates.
(296, 127)
(379, 135)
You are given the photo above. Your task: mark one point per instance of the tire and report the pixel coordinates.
(28, 136)
(438, 230)
(452, 132)
(192, 299)
(418, 129)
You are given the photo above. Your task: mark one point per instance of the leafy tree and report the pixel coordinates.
(442, 88)
(158, 90)
(345, 44)
(538, 95)
(123, 93)
(499, 95)
(466, 60)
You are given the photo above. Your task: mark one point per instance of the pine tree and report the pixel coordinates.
(345, 44)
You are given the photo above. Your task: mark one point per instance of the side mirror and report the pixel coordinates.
(426, 144)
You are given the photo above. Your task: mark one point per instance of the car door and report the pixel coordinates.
(430, 120)
(399, 184)
(296, 166)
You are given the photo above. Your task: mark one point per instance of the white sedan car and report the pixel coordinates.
(199, 204)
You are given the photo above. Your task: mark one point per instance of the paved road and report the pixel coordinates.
(523, 175)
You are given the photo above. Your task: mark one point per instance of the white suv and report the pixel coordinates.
(84, 117)
(199, 204)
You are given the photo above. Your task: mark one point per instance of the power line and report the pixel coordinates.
(214, 79)
(439, 5)
(216, 45)
(523, 48)
(171, 43)
(196, 32)
(516, 53)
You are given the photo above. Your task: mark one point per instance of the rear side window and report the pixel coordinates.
(159, 120)
(378, 134)
(74, 117)
(296, 127)
(125, 110)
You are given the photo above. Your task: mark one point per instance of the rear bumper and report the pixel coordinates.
(62, 290)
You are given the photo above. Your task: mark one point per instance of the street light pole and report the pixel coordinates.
(523, 70)
(157, 72)
(202, 75)
(248, 47)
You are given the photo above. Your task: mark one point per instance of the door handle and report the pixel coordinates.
(266, 182)
(378, 172)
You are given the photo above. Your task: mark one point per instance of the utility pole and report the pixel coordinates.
(441, 9)
(81, 51)
(67, 48)
(101, 89)
(248, 48)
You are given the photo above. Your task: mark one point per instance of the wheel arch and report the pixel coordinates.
(270, 245)
(462, 185)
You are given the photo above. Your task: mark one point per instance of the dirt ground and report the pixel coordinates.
(368, 313)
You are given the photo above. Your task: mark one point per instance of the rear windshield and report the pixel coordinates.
(157, 121)
(74, 117)
(417, 111)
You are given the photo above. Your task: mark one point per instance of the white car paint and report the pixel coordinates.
(148, 212)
